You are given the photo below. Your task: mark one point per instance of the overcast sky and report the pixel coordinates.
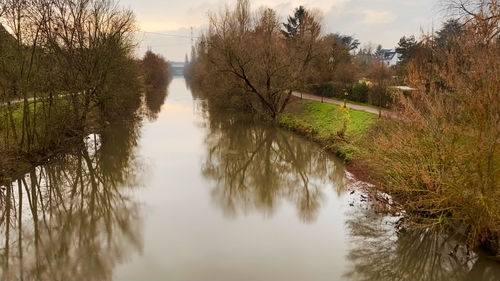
(376, 21)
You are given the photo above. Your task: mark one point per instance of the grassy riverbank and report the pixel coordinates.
(324, 123)
(430, 181)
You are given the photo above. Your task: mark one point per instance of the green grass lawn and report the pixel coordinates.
(18, 112)
(322, 122)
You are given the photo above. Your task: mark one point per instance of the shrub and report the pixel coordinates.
(442, 162)
(296, 125)
(360, 92)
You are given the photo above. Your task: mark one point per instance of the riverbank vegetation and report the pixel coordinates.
(439, 158)
(66, 70)
(442, 161)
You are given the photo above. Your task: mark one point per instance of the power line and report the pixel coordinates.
(169, 35)
(192, 37)
(168, 45)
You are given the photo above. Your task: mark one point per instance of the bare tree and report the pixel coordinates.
(253, 55)
(62, 48)
(484, 15)
(381, 76)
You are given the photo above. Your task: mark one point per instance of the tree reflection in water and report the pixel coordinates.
(72, 219)
(378, 252)
(256, 166)
(154, 98)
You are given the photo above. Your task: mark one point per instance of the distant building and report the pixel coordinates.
(390, 57)
(177, 68)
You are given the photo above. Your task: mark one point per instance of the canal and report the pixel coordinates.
(182, 195)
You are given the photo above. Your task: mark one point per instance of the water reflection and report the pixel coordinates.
(73, 218)
(379, 252)
(154, 98)
(255, 166)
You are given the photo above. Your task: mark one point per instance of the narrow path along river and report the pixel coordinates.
(188, 196)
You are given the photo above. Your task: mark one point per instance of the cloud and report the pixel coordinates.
(378, 21)
(378, 16)
(155, 26)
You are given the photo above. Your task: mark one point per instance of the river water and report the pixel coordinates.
(188, 196)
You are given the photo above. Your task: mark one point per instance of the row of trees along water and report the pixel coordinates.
(74, 217)
(66, 69)
(439, 158)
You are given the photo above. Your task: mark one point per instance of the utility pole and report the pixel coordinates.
(192, 38)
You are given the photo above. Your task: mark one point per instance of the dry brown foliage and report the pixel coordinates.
(443, 161)
(247, 57)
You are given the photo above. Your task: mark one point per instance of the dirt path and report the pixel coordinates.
(385, 112)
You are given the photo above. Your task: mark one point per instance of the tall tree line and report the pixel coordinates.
(251, 61)
(62, 62)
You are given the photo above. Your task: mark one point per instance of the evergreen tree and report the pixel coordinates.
(379, 52)
(292, 27)
(450, 31)
(406, 47)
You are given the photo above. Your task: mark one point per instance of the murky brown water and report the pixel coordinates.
(185, 196)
